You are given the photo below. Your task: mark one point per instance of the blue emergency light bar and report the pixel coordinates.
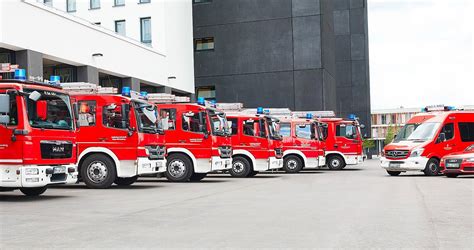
(126, 91)
(55, 79)
(259, 111)
(201, 101)
(309, 116)
(20, 74)
(352, 117)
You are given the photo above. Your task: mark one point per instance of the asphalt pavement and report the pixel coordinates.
(359, 207)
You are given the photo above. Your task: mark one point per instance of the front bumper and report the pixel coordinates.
(354, 159)
(321, 161)
(409, 164)
(218, 163)
(274, 163)
(146, 166)
(15, 176)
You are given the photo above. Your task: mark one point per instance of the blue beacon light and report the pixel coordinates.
(201, 101)
(259, 110)
(126, 91)
(20, 74)
(309, 116)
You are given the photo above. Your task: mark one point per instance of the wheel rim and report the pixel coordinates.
(238, 167)
(292, 164)
(177, 168)
(97, 171)
(433, 167)
(335, 163)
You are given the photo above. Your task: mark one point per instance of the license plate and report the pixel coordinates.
(394, 165)
(452, 165)
(59, 170)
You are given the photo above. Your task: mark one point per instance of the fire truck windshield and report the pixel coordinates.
(218, 123)
(424, 132)
(147, 118)
(51, 111)
(274, 129)
(406, 131)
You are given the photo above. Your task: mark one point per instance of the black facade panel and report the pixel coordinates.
(357, 47)
(358, 70)
(344, 73)
(307, 42)
(309, 93)
(305, 7)
(238, 11)
(342, 22)
(343, 45)
(341, 4)
(357, 4)
(244, 48)
(357, 21)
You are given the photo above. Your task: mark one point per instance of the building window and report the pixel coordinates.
(94, 4)
(119, 2)
(144, 1)
(145, 28)
(201, 1)
(208, 93)
(203, 44)
(48, 3)
(120, 27)
(71, 5)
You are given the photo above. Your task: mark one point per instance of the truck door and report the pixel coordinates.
(305, 140)
(254, 137)
(449, 145)
(196, 133)
(11, 152)
(348, 140)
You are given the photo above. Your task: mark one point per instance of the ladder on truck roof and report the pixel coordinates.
(167, 98)
(87, 88)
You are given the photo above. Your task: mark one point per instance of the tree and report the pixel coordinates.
(368, 143)
(390, 134)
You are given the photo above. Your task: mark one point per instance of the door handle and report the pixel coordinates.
(182, 141)
(102, 139)
(335, 145)
(243, 144)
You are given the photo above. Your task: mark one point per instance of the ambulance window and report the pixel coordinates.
(303, 131)
(250, 128)
(87, 112)
(168, 119)
(285, 129)
(348, 131)
(112, 117)
(196, 123)
(232, 125)
(448, 131)
(467, 131)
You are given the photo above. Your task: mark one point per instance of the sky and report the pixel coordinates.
(421, 53)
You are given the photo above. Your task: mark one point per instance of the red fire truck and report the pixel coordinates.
(303, 144)
(256, 144)
(343, 142)
(460, 163)
(37, 136)
(119, 137)
(436, 135)
(197, 140)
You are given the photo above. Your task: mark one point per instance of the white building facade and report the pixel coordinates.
(144, 44)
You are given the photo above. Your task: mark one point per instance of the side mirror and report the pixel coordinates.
(42, 110)
(302, 125)
(367, 137)
(35, 96)
(4, 104)
(206, 134)
(441, 137)
(362, 126)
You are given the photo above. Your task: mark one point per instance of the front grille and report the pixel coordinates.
(468, 168)
(156, 152)
(397, 154)
(225, 151)
(278, 153)
(56, 149)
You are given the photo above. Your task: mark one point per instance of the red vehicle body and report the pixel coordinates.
(303, 144)
(119, 139)
(459, 163)
(343, 142)
(256, 144)
(37, 137)
(197, 141)
(437, 135)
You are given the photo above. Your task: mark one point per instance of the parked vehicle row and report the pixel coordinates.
(53, 135)
(439, 140)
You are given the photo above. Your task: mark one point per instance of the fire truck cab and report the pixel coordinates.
(256, 144)
(343, 142)
(119, 139)
(440, 134)
(303, 144)
(197, 140)
(37, 136)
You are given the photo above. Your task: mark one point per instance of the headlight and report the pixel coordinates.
(470, 160)
(31, 171)
(147, 152)
(417, 152)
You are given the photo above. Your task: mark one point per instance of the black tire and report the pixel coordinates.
(197, 177)
(179, 168)
(36, 191)
(125, 181)
(292, 164)
(335, 162)
(252, 173)
(432, 167)
(451, 175)
(394, 173)
(98, 171)
(240, 167)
